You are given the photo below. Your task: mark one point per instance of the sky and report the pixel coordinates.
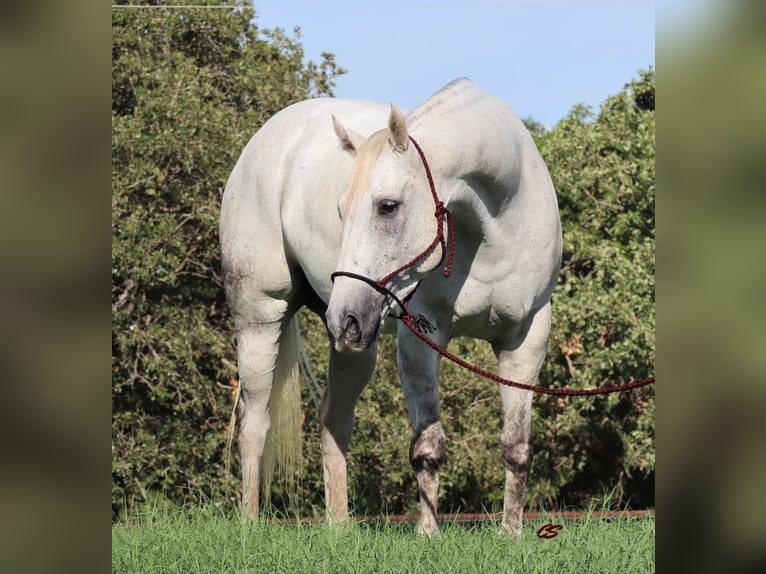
(541, 57)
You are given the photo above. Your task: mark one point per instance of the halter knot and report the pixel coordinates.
(441, 214)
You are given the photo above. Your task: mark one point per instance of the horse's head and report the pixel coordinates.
(388, 220)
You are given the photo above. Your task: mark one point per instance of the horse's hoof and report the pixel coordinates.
(507, 532)
(429, 532)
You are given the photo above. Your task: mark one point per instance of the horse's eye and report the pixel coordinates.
(387, 207)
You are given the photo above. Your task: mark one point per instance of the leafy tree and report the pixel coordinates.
(603, 169)
(537, 129)
(189, 88)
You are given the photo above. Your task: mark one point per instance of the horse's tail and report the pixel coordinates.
(282, 454)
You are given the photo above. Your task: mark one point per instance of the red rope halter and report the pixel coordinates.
(419, 324)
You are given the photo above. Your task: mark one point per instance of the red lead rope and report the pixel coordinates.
(416, 323)
(411, 322)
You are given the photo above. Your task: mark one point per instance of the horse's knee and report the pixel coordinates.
(253, 419)
(517, 455)
(428, 449)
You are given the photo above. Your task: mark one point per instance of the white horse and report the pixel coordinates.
(321, 188)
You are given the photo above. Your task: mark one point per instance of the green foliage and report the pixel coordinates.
(537, 129)
(189, 88)
(603, 328)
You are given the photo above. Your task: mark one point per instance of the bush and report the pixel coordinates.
(603, 307)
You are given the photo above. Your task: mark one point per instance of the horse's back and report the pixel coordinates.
(297, 138)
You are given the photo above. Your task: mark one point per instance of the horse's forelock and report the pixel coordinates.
(366, 157)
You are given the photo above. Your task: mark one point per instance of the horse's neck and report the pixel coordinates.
(477, 157)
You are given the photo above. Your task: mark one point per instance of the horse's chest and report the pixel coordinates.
(481, 309)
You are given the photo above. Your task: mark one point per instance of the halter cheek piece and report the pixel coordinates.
(442, 214)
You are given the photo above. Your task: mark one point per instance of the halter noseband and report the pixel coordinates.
(442, 214)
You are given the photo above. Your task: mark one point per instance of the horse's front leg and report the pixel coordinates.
(520, 362)
(516, 451)
(349, 373)
(419, 371)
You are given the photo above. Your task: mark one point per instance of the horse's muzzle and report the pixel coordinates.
(351, 336)
(353, 327)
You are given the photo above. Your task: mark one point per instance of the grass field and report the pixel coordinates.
(203, 539)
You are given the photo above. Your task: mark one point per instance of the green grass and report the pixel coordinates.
(202, 539)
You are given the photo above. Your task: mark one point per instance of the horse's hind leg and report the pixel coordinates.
(520, 363)
(349, 373)
(258, 347)
(419, 372)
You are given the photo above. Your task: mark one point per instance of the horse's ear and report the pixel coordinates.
(349, 140)
(397, 128)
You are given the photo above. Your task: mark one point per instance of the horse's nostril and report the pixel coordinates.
(352, 329)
